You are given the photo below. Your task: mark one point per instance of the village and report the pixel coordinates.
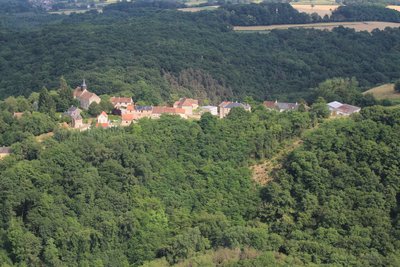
(128, 112)
(124, 111)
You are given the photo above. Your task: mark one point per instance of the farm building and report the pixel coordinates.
(338, 109)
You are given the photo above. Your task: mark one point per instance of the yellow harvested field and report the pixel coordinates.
(385, 91)
(358, 26)
(321, 10)
(394, 7)
(197, 9)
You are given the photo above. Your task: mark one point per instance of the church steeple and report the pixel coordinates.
(83, 86)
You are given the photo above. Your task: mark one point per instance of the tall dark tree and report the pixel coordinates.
(65, 98)
(397, 86)
(46, 102)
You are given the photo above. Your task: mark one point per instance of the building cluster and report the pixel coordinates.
(186, 108)
(336, 108)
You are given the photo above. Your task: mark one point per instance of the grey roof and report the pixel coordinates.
(287, 106)
(334, 104)
(236, 105)
(72, 109)
(74, 113)
(77, 117)
(143, 108)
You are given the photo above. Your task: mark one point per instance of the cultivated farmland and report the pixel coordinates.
(358, 26)
(321, 10)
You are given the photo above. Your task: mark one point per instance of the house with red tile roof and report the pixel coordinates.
(102, 120)
(158, 111)
(128, 118)
(85, 97)
(188, 104)
(119, 102)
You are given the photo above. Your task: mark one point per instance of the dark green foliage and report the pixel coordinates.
(319, 109)
(167, 187)
(46, 102)
(189, 54)
(263, 14)
(397, 86)
(65, 98)
(94, 109)
(365, 13)
(336, 200)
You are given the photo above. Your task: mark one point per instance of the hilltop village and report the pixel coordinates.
(81, 110)
(126, 112)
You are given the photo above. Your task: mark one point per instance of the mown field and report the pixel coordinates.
(197, 9)
(321, 10)
(385, 91)
(358, 26)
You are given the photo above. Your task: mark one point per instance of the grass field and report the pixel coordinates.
(394, 7)
(358, 26)
(315, 2)
(197, 9)
(385, 91)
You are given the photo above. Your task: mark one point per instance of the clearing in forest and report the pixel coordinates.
(358, 26)
(321, 10)
(263, 172)
(385, 91)
(197, 9)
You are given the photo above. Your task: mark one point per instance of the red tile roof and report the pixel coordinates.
(348, 109)
(87, 95)
(224, 103)
(186, 102)
(103, 125)
(130, 108)
(115, 100)
(169, 110)
(270, 104)
(128, 117)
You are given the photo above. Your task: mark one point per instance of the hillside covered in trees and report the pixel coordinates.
(165, 191)
(151, 53)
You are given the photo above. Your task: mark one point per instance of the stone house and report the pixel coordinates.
(85, 97)
(226, 106)
(76, 119)
(188, 104)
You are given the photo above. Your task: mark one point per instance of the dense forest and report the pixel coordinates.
(181, 192)
(165, 191)
(152, 54)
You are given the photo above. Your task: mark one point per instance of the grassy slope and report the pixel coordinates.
(385, 91)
